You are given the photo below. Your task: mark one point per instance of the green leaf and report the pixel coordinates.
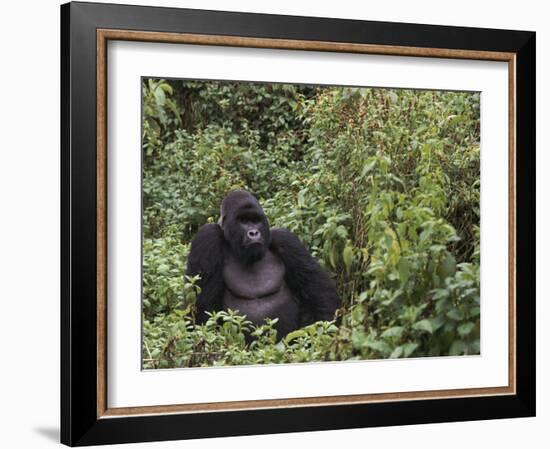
(395, 331)
(457, 348)
(474, 347)
(358, 338)
(342, 232)
(397, 352)
(380, 346)
(465, 329)
(424, 325)
(409, 348)
(455, 314)
(296, 334)
(437, 322)
(348, 256)
(368, 167)
(440, 293)
(167, 88)
(447, 267)
(332, 257)
(160, 97)
(388, 241)
(404, 269)
(301, 198)
(424, 235)
(163, 269)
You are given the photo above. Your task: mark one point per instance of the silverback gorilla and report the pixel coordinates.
(261, 272)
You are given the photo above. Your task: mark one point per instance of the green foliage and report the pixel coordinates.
(381, 185)
(160, 112)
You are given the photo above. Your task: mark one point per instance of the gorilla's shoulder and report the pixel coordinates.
(212, 230)
(285, 241)
(206, 249)
(282, 235)
(303, 272)
(208, 237)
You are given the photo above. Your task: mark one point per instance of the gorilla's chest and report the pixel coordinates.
(259, 291)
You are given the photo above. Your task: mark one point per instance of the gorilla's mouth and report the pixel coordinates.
(253, 243)
(253, 251)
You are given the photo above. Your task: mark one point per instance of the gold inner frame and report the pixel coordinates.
(104, 35)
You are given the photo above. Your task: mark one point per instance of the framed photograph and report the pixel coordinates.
(283, 224)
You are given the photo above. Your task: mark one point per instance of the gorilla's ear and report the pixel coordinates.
(221, 220)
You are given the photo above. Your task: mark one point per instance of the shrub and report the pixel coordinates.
(381, 185)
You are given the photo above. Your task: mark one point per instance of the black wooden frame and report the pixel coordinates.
(79, 422)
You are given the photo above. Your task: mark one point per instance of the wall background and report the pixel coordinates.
(29, 223)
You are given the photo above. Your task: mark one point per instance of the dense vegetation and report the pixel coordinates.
(382, 185)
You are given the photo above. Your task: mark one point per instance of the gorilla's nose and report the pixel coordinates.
(253, 234)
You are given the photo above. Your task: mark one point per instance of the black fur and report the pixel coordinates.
(306, 278)
(308, 282)
(206, 259)
(240, 207)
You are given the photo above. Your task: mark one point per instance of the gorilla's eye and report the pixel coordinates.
(250, 217)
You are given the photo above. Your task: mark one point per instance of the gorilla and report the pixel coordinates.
(261, 272)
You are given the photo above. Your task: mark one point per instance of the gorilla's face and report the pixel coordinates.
(245, 226)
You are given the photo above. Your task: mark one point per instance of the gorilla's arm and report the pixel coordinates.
(206, 259)
(305, 277)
